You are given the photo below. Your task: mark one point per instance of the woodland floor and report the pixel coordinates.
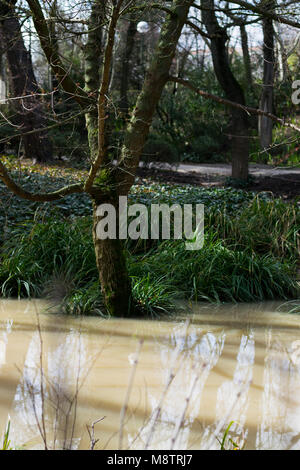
(281, 181)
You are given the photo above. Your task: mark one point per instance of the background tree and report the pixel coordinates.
(31, 113)
(233, 91)
(267, 95)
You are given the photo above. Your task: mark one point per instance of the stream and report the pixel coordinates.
(157, 384)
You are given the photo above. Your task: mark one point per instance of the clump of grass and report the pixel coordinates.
(218, 274)
(154, 296)
(37, 251)
(264, 227)
(59, 256)
(6, 444)
(84, 301)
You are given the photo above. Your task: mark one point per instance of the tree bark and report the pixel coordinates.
(239, 134)
(30, 111)
(110, 258)
(267, 96)
(111, 263)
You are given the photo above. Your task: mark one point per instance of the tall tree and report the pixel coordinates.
(267, 96)
(246, 56)
(30, 109)
(232, 89)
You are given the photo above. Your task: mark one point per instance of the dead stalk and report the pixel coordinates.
(44, 436)
(171, 377)
(180, 421)
(128, 393)
(93, 440)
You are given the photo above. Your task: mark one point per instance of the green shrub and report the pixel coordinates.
(38, 251)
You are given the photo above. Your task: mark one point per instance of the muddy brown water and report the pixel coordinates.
(236, 363)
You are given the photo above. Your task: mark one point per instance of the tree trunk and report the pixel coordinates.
(266, 102)
(30, 111)
(239, 134)
(93, 56)
(246, 56)
(125, 70)
(111, 263)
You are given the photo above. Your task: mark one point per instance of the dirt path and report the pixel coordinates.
(223, 169)
(283, 182)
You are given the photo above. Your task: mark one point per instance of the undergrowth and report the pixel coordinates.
(234, 264)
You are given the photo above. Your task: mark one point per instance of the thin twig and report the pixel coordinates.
(42, 379)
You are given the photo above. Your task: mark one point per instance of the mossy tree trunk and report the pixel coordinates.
(93, 60)
(110, 258)
(111, 263)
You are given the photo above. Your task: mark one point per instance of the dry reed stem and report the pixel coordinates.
(180, 421)
(57, 397)
(128, 393)
(93, 440)
(171, 377)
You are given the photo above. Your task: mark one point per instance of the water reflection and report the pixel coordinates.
(231, 363)
(189, 354)
(46, 398)
(280, 407)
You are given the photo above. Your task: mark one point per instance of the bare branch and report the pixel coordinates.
(232, 104)
(53, 57)
(42, 197)
(262, 12)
